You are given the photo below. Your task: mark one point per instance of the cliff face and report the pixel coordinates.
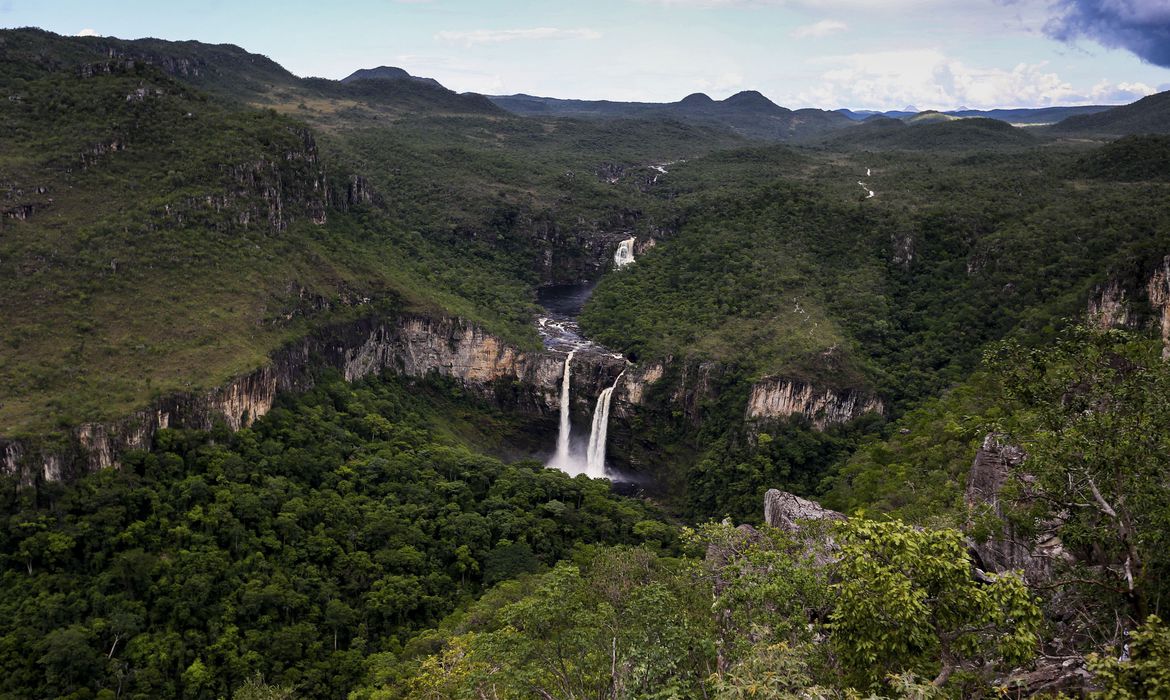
(1110, 306)
(1158, 289)
(412, 346)
(780, 398)
(1005, 550)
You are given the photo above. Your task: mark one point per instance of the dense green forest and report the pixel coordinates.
(330, 532)
(176, 215)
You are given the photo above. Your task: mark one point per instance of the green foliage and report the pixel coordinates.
(1129, 159)
(1091, 417)
(335, 528)
(1143, 673)
(623, 623)
(918, 473)
(906, 600)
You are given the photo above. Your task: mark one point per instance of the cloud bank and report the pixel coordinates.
(930, 79)
(1140, 26)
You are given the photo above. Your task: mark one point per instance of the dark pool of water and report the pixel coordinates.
(565, 300)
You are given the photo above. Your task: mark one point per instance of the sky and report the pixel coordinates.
(861, 54)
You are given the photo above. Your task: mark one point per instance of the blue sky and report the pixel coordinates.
(888, 54)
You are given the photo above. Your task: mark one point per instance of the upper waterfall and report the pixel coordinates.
(624, 255)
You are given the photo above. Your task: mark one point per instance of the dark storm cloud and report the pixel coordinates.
(1141, 26)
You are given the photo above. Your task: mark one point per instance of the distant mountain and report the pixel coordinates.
(387, 73)
(226, 71)
(1040, 115)
(1149, 115)
(749, 113)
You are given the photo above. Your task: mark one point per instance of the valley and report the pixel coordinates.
(370, 389)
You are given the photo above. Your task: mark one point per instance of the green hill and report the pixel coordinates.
(1149, 115)
(1129, 159)
(934, 131)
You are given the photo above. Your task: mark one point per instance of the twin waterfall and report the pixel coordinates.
(560, 333)
(564, 459)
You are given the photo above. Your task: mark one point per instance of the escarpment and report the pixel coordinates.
(413, 346)
(1111, 304)
(780, 398)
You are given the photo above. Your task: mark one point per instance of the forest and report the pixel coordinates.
(177, 216)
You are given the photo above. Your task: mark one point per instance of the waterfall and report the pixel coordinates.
(624, 255)
(595, 461)
(562, 459)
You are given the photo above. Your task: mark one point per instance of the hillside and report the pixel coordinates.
(931, 131)
(232, 230)
(1149, 115)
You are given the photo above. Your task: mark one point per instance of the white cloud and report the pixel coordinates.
(496, 36)
(930, 79)
(879, 5)
(818, 29)
(87, 32)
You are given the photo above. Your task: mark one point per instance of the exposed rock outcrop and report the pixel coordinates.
(1108, 307)
(903, 249)
(413, 346)
(780, 398)
(786, 511)
(1005, 549)
(633, 387)
(1158, 289)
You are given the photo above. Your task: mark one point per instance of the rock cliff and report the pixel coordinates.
(1003, 549)
(1110, 304)
(413, 346)
(1158, 289)
(786, 511)
(780, 398)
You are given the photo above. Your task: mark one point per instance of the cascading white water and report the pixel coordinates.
(624, 255)
(562, 459)
(595, 457)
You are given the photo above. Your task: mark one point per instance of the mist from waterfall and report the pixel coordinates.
(595, 457)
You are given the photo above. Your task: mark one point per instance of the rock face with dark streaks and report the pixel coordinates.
(1006, 550)
(780, 398)
(1158, 289)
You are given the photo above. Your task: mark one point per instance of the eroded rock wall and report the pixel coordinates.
(413, 346)
(780, 398)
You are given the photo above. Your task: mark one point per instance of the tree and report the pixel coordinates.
(1091, 417)
(906, 600)
(1146, 671)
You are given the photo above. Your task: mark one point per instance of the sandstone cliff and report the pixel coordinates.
(413, 346)
(780, 398)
